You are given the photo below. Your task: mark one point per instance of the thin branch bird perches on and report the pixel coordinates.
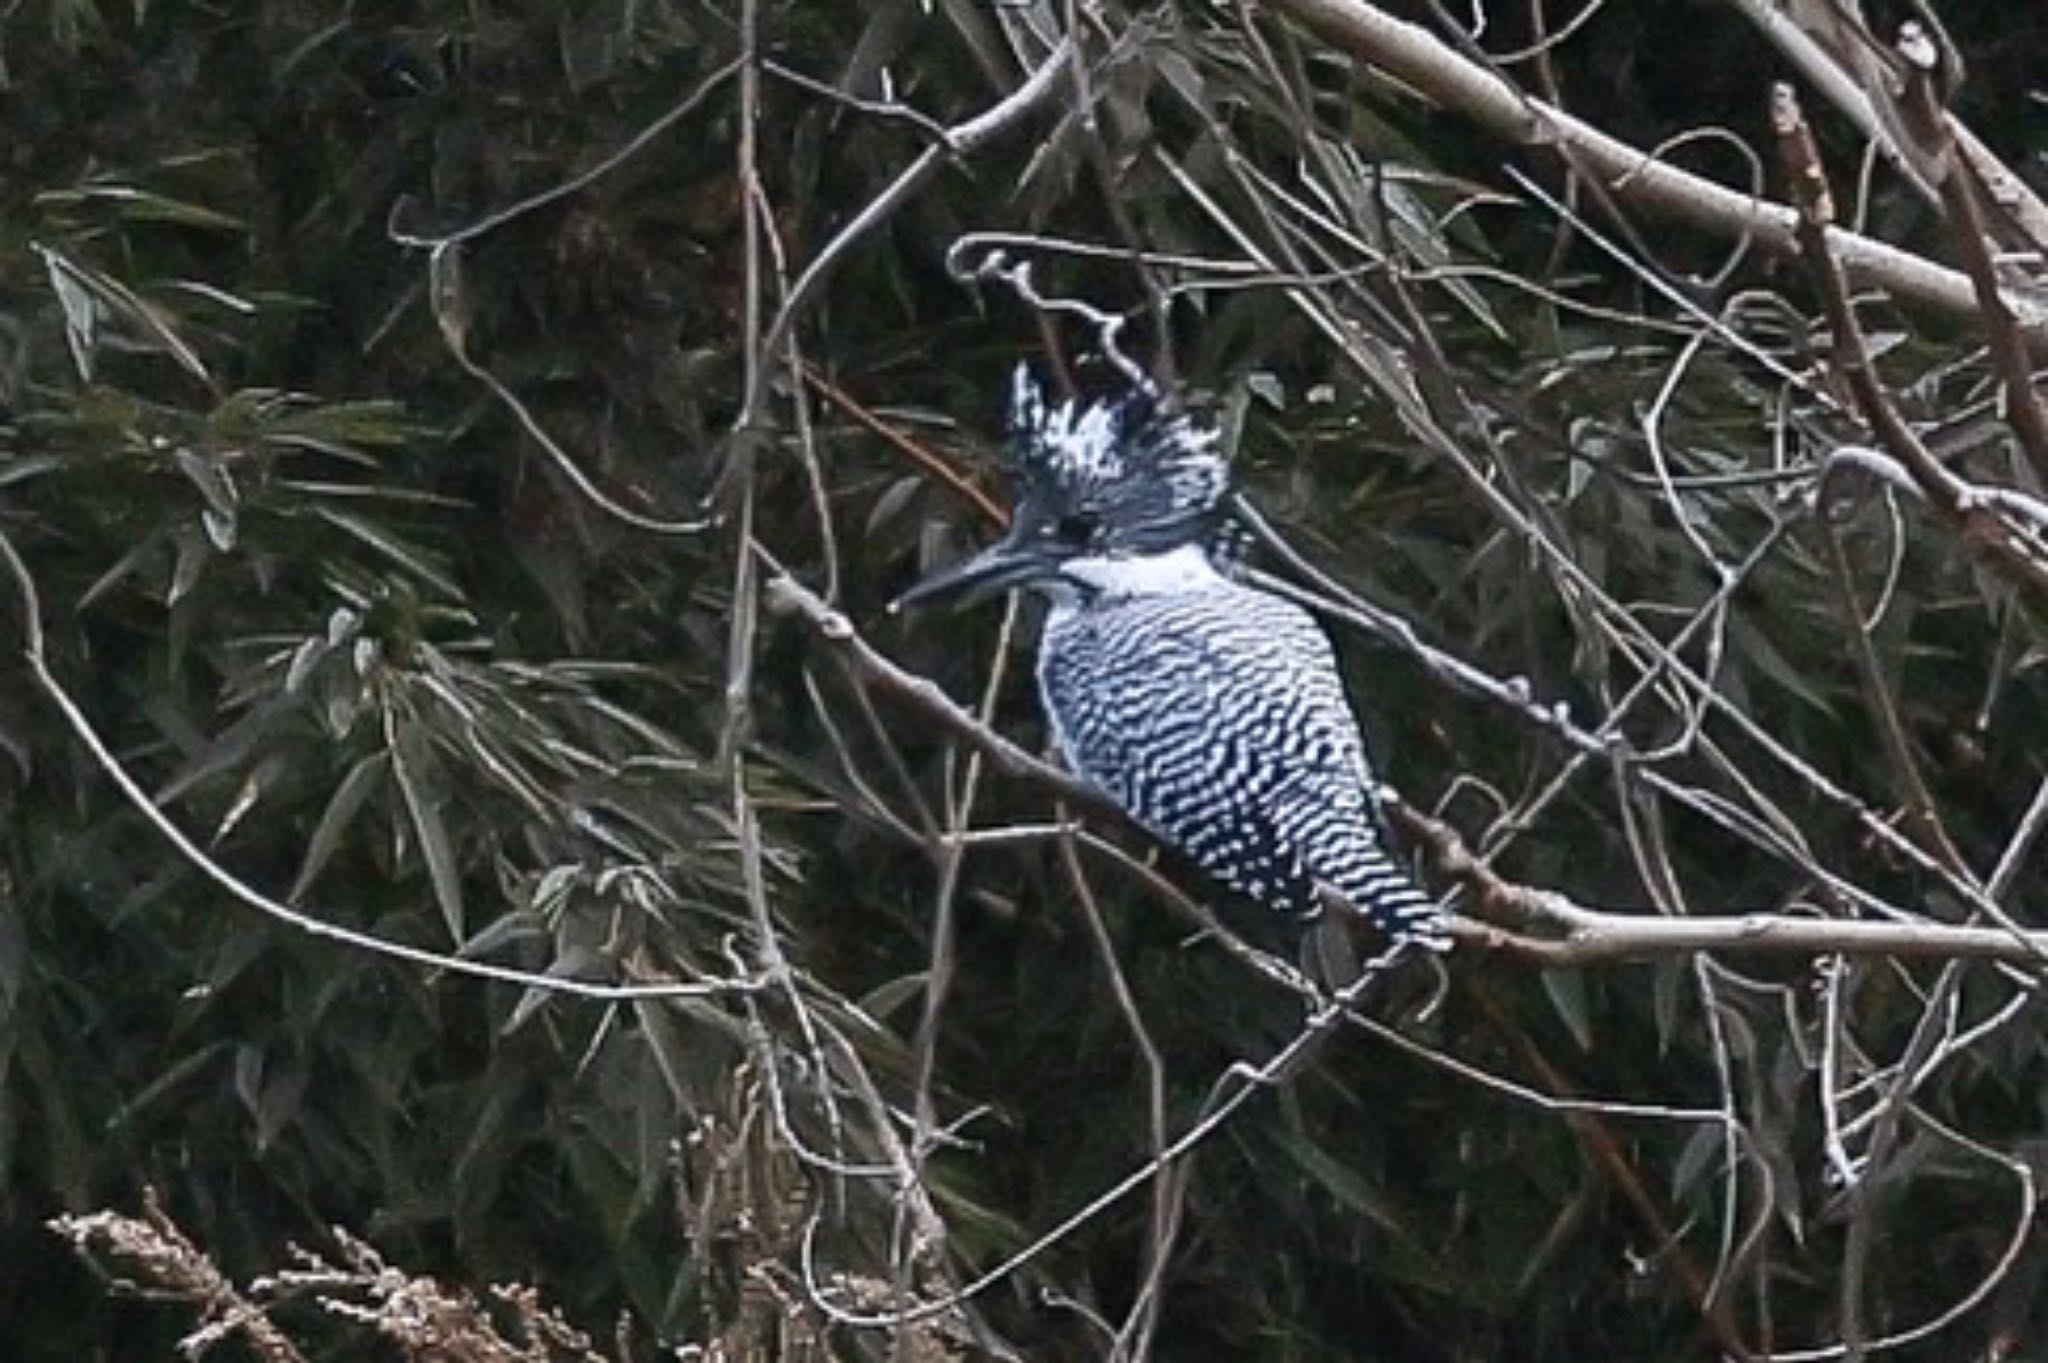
(1542, 926)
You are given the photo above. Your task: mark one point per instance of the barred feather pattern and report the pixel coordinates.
(1213, 714)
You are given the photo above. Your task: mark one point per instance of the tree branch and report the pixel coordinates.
(1550, 929)
(1412, 54)
(1572, 934)
(871, 669)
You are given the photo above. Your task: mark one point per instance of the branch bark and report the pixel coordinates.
(1599, 937)
(1411, 54)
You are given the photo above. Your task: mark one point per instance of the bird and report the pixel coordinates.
(1209, 711)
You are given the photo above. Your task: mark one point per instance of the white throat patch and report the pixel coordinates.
(1183, 569)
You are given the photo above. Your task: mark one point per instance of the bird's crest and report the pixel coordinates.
(1145, 467)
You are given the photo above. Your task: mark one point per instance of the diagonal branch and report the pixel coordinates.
(1411, 54)
(960, 140)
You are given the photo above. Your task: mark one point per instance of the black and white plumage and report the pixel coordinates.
(1209, 711)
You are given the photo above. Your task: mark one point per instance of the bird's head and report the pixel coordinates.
(1097, 486)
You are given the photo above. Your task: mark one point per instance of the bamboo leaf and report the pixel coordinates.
(338, 818)
(420, 784)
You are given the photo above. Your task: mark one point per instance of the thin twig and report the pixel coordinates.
(1979, 526)
(1922, 815)
(961, 139)
(639, 142)
(450, 312)
(1927, 122)
(925, 459)
(1134, 1340)
(1236, 1086)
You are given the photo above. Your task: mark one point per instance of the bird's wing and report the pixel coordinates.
(1220, 724)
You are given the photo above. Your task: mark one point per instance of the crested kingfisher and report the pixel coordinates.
(1209, 711)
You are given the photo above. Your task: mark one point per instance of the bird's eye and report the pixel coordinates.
(1076, 529)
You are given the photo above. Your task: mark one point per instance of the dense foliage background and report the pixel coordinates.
(404, 411)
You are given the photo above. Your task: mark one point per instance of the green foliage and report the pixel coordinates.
(309, 570)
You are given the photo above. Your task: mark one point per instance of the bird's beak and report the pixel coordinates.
(1007, 563)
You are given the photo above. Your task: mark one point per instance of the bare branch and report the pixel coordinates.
(870, 668)
(962, 139)
(1581, 936)
(1552, 929)
(1412, 54)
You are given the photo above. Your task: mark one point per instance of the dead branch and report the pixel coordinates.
(164, 1262)
(1412, 54)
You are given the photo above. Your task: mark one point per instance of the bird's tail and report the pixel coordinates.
(1392, 903)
